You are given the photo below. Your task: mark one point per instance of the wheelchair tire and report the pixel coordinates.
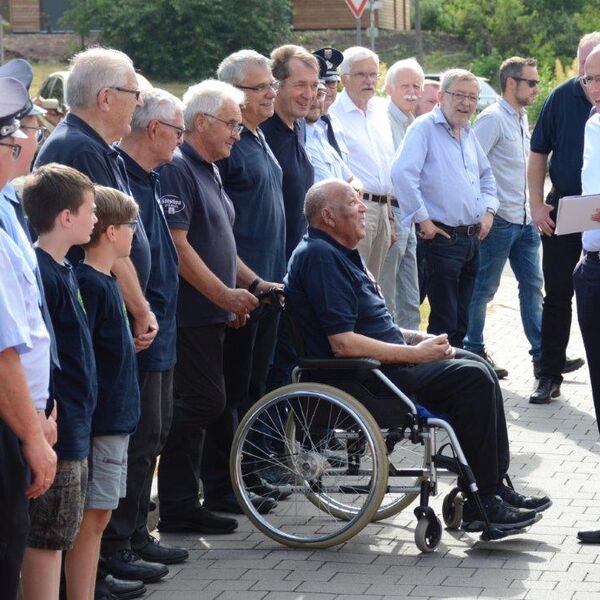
(452, 509)
(428, 534)
(299, 421)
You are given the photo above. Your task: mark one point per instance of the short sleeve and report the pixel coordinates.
(177, 199)
(542, 138)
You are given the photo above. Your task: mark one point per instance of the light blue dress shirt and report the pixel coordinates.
(438, 177)
(14, 323)
(590, 176)
(326, 161)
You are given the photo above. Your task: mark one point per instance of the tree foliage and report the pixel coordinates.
(186, 39)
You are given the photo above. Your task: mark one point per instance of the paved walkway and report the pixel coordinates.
(555, 450)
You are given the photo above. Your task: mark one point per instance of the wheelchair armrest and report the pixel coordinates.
(361, 365)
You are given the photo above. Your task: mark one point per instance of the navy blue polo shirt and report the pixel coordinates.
(560, 130)
(163, 282)
(118, 407)
(75, 383)
(193, 199)
(330, 292)
(75, 144)
(298, 175)
(253, 181)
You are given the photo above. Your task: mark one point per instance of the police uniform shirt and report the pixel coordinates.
(75, 144)
(298, 175)
(163, 282)
(253, 181)
(193, 199)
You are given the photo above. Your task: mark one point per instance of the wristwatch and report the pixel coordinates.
(490, 210)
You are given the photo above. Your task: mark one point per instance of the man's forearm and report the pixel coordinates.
(129, 283)
(355, 345)
(245, 275)
(16, 406)
(536, 176)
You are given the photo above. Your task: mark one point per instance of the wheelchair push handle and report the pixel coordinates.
(273, 295)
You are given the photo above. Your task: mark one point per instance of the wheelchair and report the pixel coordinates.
(355, 450)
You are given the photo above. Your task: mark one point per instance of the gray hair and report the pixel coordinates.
(158, 104)
(355, 54)
(92, 70)
(233, 68)
(407, 64)
(588, 38)
(452, 75)
(208, 97)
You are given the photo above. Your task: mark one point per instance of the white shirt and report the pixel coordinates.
(590, 176)
(21, 319)
(327, 163)
(369, 141)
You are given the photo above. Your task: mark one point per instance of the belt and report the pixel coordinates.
(466, 230)
(380, 199)
(592, 256)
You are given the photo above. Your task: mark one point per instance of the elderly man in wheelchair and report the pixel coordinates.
(341, 314)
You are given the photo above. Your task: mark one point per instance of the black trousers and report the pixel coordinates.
(247, 356)
(128, 523)
(14, 522)
(587, 293)
(452, 266)
(559, 257)
(199, 398)
(467, 389)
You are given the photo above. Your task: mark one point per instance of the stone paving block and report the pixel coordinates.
(266, 574)
(331, 587)
(374, 570)
(444, 591)
(182, 595)
(297, 596)
(271, 585)
(246, 595)
(494, 593)
(364, 578)
(321, 575)
(305, 565)
(190, 572)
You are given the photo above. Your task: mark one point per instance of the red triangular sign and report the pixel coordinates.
(357, 6)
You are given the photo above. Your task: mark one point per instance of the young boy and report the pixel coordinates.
(59, 202)
(118, 407)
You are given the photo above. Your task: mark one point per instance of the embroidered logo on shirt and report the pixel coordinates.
(171, 204)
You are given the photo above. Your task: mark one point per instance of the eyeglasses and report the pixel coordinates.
(16, 149)
(321, 93)
(589, 79)
(331, 84)
(178, 130)
(39, 132)
(261, 88)
(136, 93)
(131, 224)
(463, 97)
(235, 127)
(362, 75)
(530, 82)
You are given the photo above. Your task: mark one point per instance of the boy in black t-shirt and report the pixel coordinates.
(118, 408)
(59, 202)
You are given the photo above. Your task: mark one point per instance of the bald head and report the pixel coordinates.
(323, 194)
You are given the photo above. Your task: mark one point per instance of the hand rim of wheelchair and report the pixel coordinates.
(347, 527)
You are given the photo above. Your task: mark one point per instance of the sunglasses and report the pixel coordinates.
(530, 82)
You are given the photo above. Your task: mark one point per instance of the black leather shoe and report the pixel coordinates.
(589, 536)
(501, 372)
(228, 504)
(126, 564)
(546, 390)
(124, 590)
(260, 487)
(198, 520)
(154, 551)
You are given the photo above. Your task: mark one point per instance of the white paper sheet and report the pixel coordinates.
(575, 214)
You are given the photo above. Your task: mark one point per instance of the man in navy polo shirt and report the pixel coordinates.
(200, 216)
(102, 95)
(559, 131)
(253, 181)
(341, 313)
(156, 130)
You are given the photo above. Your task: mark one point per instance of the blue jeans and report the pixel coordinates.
(452, 265)
(520, 244)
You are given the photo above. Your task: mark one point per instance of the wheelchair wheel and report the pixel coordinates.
(428, 534)
(452, 509)
(294, 428)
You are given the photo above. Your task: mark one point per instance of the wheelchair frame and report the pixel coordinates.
(293, 414)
